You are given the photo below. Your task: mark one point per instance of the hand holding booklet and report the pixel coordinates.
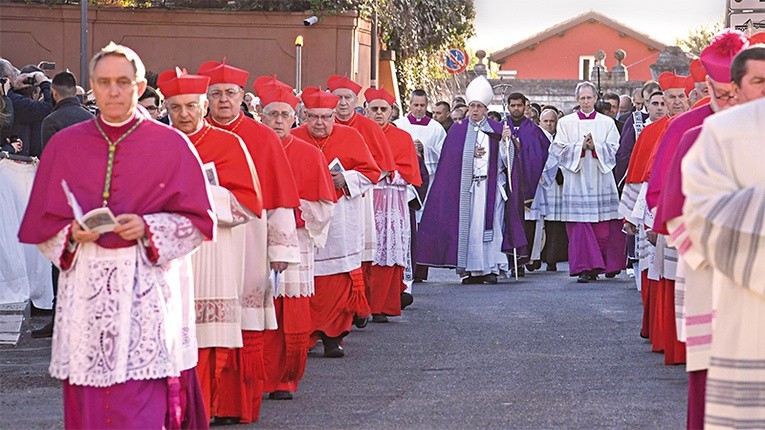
(99, 220)
(336, 166)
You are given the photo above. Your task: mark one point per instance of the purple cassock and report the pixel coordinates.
(672, 199)
(439, 233)
(667, 147)
(155, 170)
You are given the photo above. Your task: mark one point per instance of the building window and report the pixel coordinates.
(586, 63)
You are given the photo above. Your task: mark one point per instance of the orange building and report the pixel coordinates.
(567, 50)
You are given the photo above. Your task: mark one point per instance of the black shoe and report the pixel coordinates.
(491, 278)
(612, 274)
(583, 278)
(552, 267)
(418, 280)
(534, 265)
(44, 331)
(332, 348)
(360, 322)
(379, 318)
(471, 280)
(593, 275)
(224, 421)
(521, 272)
(280, 395)
(406, 300)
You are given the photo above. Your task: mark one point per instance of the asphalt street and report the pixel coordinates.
(543, 352)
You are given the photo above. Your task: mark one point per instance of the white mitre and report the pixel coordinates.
(479, 90)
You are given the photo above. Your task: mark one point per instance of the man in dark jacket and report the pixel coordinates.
(66, 111)
(29, 111)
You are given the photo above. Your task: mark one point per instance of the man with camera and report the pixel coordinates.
(28, 111)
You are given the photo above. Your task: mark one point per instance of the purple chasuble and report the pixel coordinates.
(667, 148)
(156, 169)
(527, 168)
(414, 121)
(672, 199)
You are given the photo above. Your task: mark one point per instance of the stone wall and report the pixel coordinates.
(260, 42)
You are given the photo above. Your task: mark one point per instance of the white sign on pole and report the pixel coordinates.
(742, 21)
(746, 4)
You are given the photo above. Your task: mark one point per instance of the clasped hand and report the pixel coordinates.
(587, 143)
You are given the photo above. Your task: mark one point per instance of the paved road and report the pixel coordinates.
(544, 352)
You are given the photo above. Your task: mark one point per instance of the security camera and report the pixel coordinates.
(311, 20)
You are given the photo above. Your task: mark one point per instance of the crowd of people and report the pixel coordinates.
(237, 231)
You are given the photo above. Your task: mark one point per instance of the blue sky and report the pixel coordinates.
(501, 23)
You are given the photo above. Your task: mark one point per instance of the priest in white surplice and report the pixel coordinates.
(585, 146)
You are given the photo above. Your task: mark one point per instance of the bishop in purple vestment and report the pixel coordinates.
(473, 214)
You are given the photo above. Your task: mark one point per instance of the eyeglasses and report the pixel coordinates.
(230, 93)
(274, 115)
(379, 108)
(324, 118)
(151, 108)
(122, 83)
(723, 97)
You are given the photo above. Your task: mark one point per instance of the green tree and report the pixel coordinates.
(699, 38)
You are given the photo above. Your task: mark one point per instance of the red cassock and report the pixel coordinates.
(374, 138)
(286, 349)
(245, 386)
(337, 296)
(376, 142)
(236, 174)
(386, 282)
(279, 190)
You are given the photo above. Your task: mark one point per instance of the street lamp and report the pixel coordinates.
(299, 63)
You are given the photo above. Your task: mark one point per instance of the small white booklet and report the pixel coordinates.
(336, 166)
(211, 173)
(99, 220)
